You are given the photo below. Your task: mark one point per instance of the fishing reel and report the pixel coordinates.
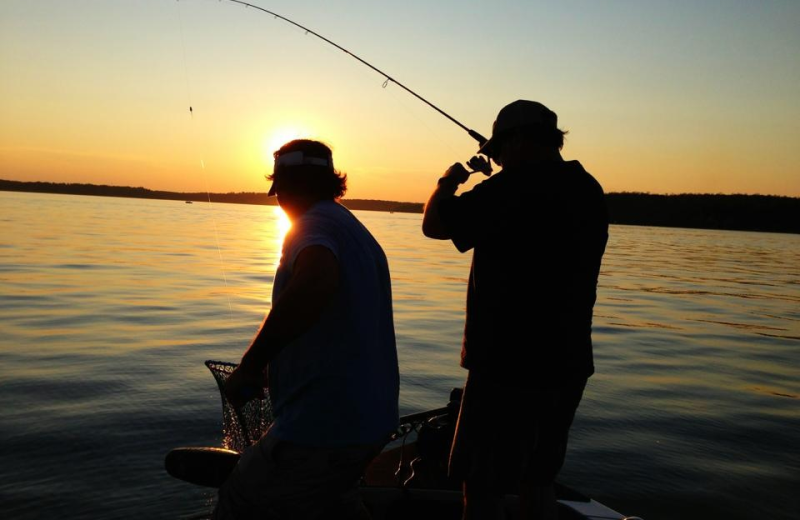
(479, 163)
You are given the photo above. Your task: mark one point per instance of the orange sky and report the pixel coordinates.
(668, 99)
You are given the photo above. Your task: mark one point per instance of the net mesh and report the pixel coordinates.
(243, 427)
(240, 428)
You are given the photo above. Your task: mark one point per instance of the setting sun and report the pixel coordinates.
(280, 137)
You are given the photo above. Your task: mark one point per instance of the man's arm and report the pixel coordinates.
(314, 281)
(432, 225)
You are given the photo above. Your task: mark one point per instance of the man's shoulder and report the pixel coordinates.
(323, 214)
(326, 209)
(499, 182)
(333, 221)
(576, 168)
(321, 220)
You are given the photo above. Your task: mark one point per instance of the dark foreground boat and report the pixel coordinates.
(408, 480)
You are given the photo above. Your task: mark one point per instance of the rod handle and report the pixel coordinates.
(478, 137)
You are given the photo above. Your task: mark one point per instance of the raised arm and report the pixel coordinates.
(432, 225)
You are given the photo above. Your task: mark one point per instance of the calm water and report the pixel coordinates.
(110, 306)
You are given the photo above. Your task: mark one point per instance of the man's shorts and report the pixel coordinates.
(275, 479)
(506, 437)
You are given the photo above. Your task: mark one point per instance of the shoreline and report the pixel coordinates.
(763, 213)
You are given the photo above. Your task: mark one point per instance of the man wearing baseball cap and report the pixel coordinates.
(328, 345)
(538, 230)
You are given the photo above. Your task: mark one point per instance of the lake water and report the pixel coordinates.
(110, 306)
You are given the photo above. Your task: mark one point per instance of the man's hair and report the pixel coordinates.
(320, 180)
(545, 135)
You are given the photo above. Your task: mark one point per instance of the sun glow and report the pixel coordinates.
(280, 137)
(283, 225)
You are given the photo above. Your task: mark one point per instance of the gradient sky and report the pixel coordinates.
(663, 97)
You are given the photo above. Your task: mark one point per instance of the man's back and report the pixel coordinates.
(338, 383)
(538, 237)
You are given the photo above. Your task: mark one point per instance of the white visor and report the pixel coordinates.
(299, 158)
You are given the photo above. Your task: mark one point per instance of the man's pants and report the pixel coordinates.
(280, 480)
(508, 436)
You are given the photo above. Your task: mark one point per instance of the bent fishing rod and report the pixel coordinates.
(475, 135)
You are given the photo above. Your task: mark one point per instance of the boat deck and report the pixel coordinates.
(426, 497)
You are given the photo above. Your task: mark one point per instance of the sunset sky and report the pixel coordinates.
(663, 97)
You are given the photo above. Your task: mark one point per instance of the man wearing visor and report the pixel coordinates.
(538, 230)
(328, 346)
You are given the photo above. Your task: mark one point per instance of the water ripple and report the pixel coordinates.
(692, 411)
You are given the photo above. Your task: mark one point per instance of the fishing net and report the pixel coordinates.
(243, 427)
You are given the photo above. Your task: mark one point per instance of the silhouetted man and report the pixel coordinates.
(538, 229)
(329, 346)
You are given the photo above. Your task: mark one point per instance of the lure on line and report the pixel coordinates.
(475, 135)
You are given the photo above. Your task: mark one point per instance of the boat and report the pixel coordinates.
(408, 480)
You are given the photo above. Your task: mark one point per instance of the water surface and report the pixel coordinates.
(109, 307)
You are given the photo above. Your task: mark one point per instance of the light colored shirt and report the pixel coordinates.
(338, 384)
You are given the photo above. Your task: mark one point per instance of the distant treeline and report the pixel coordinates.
(232, 198)
(733, 212)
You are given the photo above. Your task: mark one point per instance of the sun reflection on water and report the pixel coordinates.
(282, 226)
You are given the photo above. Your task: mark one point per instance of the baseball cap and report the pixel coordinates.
(297, 162)
(520, 113)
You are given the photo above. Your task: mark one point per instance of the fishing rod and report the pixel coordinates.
(475, 135)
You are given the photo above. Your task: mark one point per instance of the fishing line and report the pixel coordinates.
(196, 146)
(216, 239)
(238, 413)
(387, 78)
(412, 113)
(185, 69)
